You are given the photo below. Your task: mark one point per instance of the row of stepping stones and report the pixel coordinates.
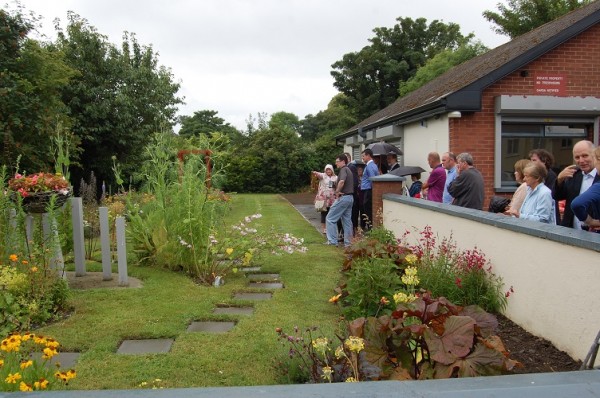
(255, 280)
(156, 346)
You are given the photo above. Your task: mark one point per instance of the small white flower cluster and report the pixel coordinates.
(243, 229)
(213, 240)
(291, 244)
(184, 243)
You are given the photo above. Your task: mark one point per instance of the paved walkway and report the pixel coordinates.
(304, 203)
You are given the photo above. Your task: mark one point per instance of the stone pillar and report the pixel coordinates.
(121, 251)
(386, 183)
(105, 244)
(78, 240)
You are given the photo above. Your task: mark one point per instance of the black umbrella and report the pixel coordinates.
(383, 148)
(407, 170)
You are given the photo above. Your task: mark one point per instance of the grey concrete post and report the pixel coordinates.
(11, 236)
(29, 227)
(121, 251)
(105, 244)
(78, 243)
(52, 240)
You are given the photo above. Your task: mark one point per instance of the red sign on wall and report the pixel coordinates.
(550, 84)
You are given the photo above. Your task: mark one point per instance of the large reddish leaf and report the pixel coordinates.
(486, 322)
(483, 361)
(455, 342)
(356, 327)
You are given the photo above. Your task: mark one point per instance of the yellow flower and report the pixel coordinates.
(351, 380)
(34, 269)
(229, 251)
(411, 259)
(335, 299)
(27, 336)
(327, 372)
(1, 362)
(41, 340)
(355, 344)
(410, 277)
(339, 352)
(49, 353)
(25, 387)
(51, 343)
(12, 378)
(402, 297)
(320, 345)
(26, 364)
(42, 384)
(13, 257)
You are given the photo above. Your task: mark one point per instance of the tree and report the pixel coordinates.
(439, 64)
(205, 122)
(31, 77)
(119, 98)
(370, 77)
(521, 16)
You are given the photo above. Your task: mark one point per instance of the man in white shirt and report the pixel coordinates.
(449, 163)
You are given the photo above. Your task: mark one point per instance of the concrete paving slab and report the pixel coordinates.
(263, 277)
(253, 296)
(145, 346)
(250, 269)
(211, 326)
(66, 360)
(266, 285)
(234, 310)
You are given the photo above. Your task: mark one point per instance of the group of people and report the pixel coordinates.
(455, 180)
(347, 196)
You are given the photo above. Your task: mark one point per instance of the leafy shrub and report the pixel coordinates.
(465, 277)
(433, 338)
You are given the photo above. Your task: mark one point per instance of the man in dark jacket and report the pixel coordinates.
(467, 189)
(576, 179)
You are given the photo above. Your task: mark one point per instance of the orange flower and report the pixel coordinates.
(13, 257)
(24, 262)
(384, 301)
(335, 299)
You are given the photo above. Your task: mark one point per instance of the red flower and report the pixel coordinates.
(458, 282)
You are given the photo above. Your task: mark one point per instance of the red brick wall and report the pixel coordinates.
(578, 59)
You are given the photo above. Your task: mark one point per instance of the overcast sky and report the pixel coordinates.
(241, 57)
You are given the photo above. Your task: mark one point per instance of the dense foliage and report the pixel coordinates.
(370, 78)
(521, 16)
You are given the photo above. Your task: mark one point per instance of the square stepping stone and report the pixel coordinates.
(250, 269)
(211, 326)
(253, 296)
(234, 310)
(145, 346)
(266, 285)
(65, 359)
(263, 277)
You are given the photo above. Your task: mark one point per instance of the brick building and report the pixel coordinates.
(540, 90)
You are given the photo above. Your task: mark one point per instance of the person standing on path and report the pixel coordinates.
(342, 207)
(434, 187)
(467, 189)
(366, 187)
(449, 163)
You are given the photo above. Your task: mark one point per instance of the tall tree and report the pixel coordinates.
(119, 98)
(440, 64)
(31, 77)
(370, 77)
(205, 122)
(521, 16)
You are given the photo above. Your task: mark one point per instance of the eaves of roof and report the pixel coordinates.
(461, 87)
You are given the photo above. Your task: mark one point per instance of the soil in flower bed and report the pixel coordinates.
(536, 354)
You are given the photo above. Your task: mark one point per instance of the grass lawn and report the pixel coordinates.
(168, 302)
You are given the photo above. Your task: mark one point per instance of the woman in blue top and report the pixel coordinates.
(538, 204)
(586, 206)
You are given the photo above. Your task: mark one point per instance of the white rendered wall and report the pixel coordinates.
(556, 285)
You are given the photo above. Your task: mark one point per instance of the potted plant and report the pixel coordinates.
(35, 191)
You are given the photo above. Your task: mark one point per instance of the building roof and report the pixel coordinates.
(461, 87)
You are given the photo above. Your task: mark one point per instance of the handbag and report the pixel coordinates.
(320, 205)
